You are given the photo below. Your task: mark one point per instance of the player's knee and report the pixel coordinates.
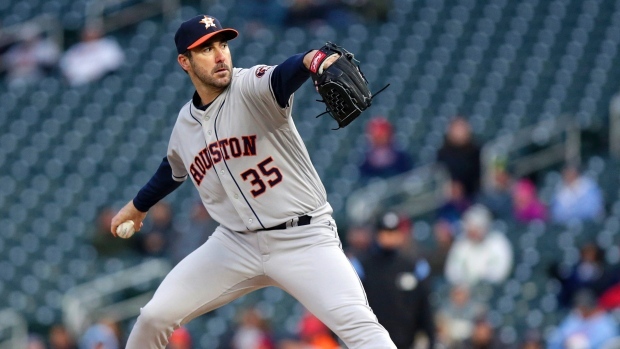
(154, 318)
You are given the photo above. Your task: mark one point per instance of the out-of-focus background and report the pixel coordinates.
(488, 169)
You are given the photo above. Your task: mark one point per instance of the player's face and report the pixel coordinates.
(211, 64)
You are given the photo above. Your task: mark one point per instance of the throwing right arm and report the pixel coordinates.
(159, 186)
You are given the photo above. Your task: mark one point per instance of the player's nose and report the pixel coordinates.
(219, 55)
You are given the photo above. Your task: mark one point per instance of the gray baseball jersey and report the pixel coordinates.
(246, 158)
(253, 173)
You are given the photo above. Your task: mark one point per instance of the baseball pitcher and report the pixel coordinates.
(237, 142)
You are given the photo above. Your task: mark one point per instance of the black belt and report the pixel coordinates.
(302, 220)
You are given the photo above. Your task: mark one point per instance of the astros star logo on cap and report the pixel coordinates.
(208, 22)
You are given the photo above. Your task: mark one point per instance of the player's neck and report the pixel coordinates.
(208, 94)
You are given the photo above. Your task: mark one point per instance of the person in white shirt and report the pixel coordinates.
(480, 254)
(92, 58)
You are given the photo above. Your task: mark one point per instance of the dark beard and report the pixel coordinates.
(209, 80)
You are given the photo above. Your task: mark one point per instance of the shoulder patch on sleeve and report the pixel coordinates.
(260, 71)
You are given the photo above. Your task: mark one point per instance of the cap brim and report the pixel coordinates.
(227, 33)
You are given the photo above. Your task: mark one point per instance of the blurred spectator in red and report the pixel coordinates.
(180, 339)
(456, 317)
(527, 206)
(498, 196)
(106, 244)
(481, 254)
(92, 58)
(313, 334)
(590, 272)
(397, 284)
(383, 159)
(154, 238)
(586, 326)
(193, 234)
(460, 154)
(31, 58)
(253, 332)
(60, 338)
(576, 198)
(482, 337)
(610, 298)
(457, 202)
(102, 335)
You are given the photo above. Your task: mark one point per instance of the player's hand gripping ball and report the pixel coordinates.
(125, 230)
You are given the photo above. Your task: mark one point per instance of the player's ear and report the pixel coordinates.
(183, 62)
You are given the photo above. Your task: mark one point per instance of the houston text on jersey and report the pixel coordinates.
(223, 149)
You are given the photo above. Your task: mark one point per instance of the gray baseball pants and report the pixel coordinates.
(306, 261)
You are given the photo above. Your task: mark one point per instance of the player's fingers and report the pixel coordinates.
(137, 223)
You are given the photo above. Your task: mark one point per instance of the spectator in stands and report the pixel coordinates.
(460, 154)
(60, 338)
(586, 326)
(397, 285)
(457, 202)
(180, 339)
(31, 58)
(102, 335)
(443, 233)
(527, 206)
(155, 237)
(313, 334)
(498, 197)
(610, 297)
(105, 243)
(481, 255)
(359, 240)
(383, 159)
(482, 337)
(252, 332)
(92, 58)
(456, 317)
(590, 272)
(195, 233)
(576, 198)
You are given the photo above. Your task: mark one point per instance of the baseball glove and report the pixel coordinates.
(342, 85)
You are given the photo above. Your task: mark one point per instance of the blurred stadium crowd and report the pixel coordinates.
(509, 261)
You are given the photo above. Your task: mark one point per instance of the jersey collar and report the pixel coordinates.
(196, 102)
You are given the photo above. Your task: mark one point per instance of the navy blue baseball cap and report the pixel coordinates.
(194, 32)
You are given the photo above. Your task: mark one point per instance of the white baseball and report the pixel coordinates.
(125, 230)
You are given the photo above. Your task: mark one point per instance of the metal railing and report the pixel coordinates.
(14, 330)
(85, 303)
(414, 193)
(556, 141)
